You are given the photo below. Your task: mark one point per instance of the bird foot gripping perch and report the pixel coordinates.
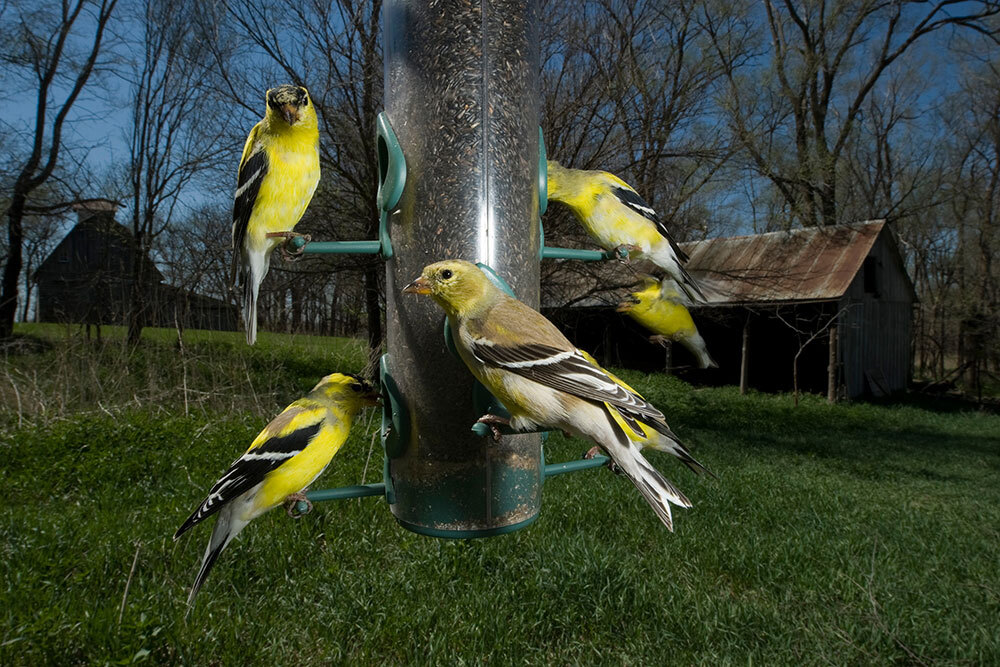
(297, 505)
(494, 422)
(621, 252)
(596, 451)
(293, 248)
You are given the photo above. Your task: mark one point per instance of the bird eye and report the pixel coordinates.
(357, 387)
(446, 274)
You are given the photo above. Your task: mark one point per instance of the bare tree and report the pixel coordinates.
(175, 135)
(337, 54)
(795, 115)
(628, 87)
(807, 329)
(974, 185)
(46, 34)
(39, 241)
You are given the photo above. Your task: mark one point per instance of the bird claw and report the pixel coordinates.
(659, 340)
(290, 253)
(611, 465)
(494, 423)
(622, 251)
(292, 502)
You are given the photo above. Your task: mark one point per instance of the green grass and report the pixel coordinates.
(53, 371)
(833, 534)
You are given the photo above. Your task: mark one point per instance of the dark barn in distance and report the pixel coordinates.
(88, 278)
(838, 296)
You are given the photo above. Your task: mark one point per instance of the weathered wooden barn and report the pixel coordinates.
(88, 278)
(837, 298)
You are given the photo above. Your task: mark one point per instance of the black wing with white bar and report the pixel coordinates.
(252, 174)
(631, 199)
(249, 470)
(568, 371)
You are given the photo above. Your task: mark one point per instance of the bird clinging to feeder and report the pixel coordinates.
(616, 216)
(292, 451)
(278, 175)
(544, 381)
(659, 306)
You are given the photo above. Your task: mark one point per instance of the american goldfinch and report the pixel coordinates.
(278, 175)
(544, 381)
(616, 216)
(292, 451)
(659, 307)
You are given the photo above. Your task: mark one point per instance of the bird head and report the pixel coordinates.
(556, 177)
(291, 104)
(346, 388)
(646, 295)
(458, 286)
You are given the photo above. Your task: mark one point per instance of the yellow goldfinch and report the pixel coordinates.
(278, 175)
(616, 216)
(659, 307)
(543, 380)
(292, 451)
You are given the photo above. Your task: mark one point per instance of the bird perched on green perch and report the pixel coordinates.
(292, 451)
(660, 307)
(278, 175)
(616, 216)
(544, 381)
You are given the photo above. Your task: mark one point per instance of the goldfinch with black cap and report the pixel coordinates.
(279, 172)
(616, 216)
(292, 451)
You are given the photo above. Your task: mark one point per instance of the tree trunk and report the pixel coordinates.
(831, 380)
(136, 309)
(745, 357)
(795, 376)
(297, 298)
(27, 291)
(12, 270)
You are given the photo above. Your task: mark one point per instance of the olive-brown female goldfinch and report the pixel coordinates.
(543, 380)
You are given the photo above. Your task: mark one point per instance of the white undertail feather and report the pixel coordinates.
(252, 275)
(227, 526)
(696, 344)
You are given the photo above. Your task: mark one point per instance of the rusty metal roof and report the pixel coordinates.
(813, 264)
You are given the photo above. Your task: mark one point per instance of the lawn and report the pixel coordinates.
(833, 534)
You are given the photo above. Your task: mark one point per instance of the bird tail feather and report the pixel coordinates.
(226, 528)
(664, 257)
(653, 486)
(250, 290)
(696, 344)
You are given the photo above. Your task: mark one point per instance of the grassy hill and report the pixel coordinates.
(843, 534)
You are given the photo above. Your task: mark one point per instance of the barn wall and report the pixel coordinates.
(877, 327)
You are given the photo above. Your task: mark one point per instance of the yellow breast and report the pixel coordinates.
(293, 174)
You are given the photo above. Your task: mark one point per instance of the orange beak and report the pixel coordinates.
(419, 286)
